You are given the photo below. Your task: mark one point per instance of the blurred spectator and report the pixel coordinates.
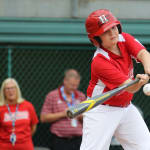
(66, 133)
(18, 118)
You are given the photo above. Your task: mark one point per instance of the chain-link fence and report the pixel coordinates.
(40, 69)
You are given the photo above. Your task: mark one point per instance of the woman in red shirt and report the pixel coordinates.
(18, 119)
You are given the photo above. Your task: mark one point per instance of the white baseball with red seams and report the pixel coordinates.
(146, 89)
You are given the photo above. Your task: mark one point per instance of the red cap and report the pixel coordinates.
(100, 21)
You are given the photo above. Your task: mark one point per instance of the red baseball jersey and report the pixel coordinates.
(54, 103)
(25, 117)
(109, 70)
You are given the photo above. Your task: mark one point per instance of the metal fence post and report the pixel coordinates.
(9, 62)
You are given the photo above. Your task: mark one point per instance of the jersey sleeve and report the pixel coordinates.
(105, 71)
(48, 104)
(133, 45)
(33, 115)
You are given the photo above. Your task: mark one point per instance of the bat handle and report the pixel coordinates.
(69, 114)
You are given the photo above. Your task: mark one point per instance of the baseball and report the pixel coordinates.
(146, 89)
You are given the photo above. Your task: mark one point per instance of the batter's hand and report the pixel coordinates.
(144, 78)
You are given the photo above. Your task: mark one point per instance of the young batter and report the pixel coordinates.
(112, 67)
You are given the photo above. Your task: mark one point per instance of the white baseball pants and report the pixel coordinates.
(126, 124)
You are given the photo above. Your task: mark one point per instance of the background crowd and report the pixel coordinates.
(18, 119)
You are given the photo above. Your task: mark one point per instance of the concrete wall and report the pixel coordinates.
(126, 9)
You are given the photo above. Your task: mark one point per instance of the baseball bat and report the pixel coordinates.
(86, 105)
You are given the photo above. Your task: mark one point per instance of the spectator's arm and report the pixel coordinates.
(52, 117)
(33, 129)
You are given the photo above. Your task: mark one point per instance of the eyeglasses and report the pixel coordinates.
(10, 88)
